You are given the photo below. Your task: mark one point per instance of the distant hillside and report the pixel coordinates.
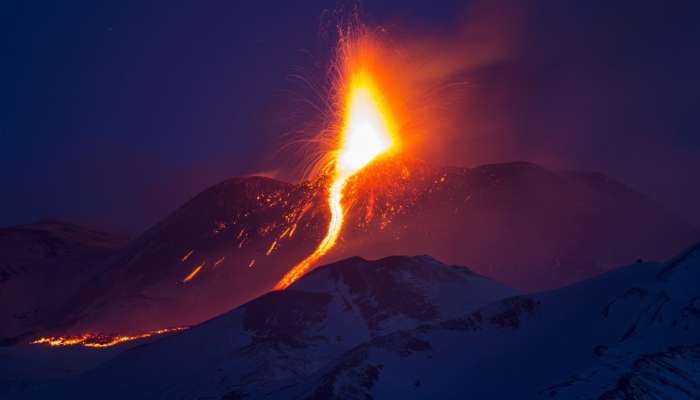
(44, 264)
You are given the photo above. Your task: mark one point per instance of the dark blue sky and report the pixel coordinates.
(116, 114)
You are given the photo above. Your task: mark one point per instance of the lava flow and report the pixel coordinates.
(366, 132)
(101, 340)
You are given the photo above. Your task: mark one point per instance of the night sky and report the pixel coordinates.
(115, 114)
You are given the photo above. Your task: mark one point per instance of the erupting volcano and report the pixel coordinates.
(412, 208)
(367, 131)
(368, 196)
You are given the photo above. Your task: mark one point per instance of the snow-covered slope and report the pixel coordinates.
(661, 362)
(42, 265)
(284, 337)
(629, 334)
(410, 327)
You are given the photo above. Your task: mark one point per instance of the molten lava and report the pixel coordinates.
(100, 340)
(366, 132)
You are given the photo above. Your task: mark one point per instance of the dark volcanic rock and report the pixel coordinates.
(519, 223)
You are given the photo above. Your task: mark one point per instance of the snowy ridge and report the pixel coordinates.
(282, 338)
(627, 334)
(412, 327)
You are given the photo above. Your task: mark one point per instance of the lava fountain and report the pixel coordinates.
(366, 131)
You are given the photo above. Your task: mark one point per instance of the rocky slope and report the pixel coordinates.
(521, 224)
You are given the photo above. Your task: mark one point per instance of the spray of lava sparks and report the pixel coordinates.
(366, 131)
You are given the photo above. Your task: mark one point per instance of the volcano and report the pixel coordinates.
(518, 223)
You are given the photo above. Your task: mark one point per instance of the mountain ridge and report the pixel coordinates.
(637, 340)
(518, 223)
(284, 336)
(628, 333)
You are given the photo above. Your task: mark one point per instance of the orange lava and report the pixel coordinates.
(100, 340)
(194, 272)
(366, 131)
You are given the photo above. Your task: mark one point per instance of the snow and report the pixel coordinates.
(284, 337)
(412, 327)
(576, 342)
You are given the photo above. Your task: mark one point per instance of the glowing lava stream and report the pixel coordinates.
(98, 340)
(366, 133)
